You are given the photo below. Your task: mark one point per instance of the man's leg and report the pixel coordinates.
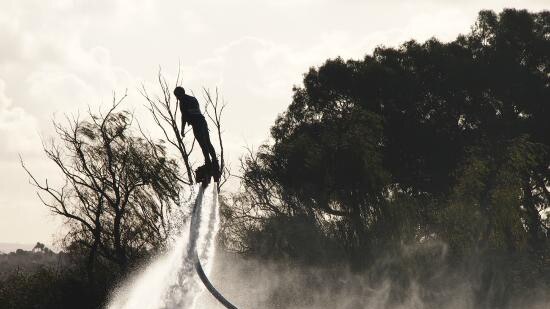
(199, 129)
(211, 150)
(205, 151)
(210, 154)
(207, 161)
(203, 138)
(215, 165)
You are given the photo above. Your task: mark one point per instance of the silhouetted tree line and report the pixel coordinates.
(24, 260)
(41, 278)
(428, 142)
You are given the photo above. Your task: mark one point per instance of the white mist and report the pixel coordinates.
(170, 281)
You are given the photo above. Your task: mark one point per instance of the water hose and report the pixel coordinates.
(198, 266)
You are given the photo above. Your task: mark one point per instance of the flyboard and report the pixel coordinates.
(204, 179)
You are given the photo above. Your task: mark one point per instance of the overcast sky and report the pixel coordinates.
(60, 56)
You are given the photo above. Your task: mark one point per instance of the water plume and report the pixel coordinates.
(170, 281)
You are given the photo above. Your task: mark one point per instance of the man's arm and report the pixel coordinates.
(182, 121)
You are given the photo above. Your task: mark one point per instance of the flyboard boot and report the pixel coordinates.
(203, 175)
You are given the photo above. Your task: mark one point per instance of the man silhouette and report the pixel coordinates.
(191, 114)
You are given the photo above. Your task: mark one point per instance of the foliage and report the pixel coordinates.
(119, 188)
(51, 287)
(426, 142)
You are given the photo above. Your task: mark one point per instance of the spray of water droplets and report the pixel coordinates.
(170, 281)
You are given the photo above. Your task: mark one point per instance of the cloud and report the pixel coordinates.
(46, 67)
(18, 129)
(50, 73)
(24, 219)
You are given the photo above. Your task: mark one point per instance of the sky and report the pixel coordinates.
(59, 57)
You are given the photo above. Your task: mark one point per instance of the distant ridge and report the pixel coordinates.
(6, 247)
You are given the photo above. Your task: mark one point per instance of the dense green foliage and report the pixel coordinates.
(42, 278)
(427, 142)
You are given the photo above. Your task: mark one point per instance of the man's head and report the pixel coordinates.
(179, 92)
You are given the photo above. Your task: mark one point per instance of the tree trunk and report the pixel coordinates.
(119, 248)
(91, 261)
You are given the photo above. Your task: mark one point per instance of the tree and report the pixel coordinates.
(365, 141)
(119, 188)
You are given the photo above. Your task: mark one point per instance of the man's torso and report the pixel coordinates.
(191, 109)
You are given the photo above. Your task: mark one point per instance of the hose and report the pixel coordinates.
(198, 266)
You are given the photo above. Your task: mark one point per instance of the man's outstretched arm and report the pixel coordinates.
(182, 124)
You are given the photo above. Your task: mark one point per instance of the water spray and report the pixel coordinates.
(169, 282)
(198, 266)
